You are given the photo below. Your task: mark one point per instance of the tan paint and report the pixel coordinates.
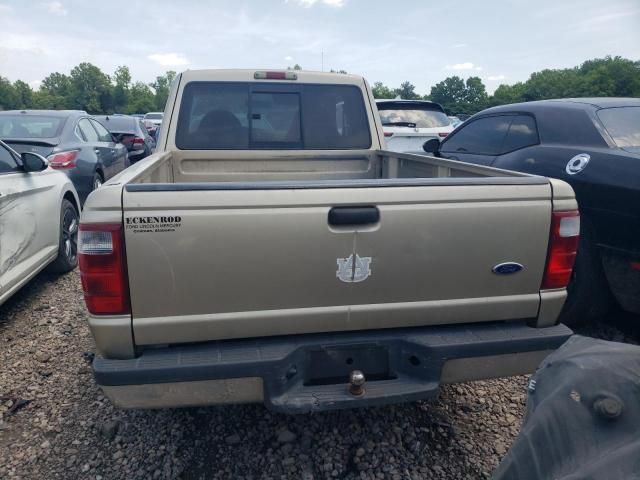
(551, 303)
(491, 366)
(186, 394)
(425, 250)
(261, 323)
(113, 335)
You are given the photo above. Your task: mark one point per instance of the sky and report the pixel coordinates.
(423, 41)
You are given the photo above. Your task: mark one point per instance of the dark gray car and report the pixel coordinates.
(71, 140)
(131, 132)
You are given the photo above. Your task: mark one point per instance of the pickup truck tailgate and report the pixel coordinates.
(211, 263)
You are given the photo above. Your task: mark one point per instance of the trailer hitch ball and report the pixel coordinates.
(356, 383)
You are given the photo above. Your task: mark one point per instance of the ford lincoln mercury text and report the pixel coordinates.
(272, 251)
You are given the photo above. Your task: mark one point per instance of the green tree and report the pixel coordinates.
(599, 77)
(506, 94)
(476, 97)
(122, 79)
(380, 90)
(142, 99)
(451, 94)
(295, 67)
(90, 89)
(161, 88)
(42, 100)
(8, 97)
(24, 94)
(406, 91)
(56, 90)
(609, 76)
(57, 84)
(552, 84)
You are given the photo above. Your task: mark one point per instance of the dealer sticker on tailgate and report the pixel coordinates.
(153, 224)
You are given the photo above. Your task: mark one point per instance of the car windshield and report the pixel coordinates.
(153, 116)
(623, 124)
(418, 116)
(30, 126)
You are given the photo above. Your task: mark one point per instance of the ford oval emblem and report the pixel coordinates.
(507, 268)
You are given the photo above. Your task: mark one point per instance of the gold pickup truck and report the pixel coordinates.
(272, 251)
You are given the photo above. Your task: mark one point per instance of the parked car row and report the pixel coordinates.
(131, 132)
(40, 206)
(89, 150)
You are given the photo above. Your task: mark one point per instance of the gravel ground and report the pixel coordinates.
(67, 429)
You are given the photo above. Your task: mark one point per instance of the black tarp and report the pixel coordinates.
(583, 416)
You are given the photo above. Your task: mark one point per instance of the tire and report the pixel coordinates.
(97, 181)
(67, 258)
(589, 298)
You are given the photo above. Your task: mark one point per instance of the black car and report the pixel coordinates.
(129, 131)
(71, 140)
(594, 145)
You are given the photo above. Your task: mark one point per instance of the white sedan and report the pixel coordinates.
(39, 210)
(408, 124)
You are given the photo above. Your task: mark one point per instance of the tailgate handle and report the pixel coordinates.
(354, 215)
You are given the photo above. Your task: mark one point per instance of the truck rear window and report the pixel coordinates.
(264, 115)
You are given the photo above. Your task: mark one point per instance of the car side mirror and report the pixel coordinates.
(432, 146)
(33, 162)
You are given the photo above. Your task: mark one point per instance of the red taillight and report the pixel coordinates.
(388, 134)
(137, 143)
(442, 134)
(103, 268)
(63, 160)
(563, 247)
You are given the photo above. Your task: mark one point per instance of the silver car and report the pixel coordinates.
(39, 212)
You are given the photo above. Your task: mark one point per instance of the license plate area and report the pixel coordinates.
(332, 365)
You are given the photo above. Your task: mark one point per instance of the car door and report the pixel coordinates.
(29, 221)
(117, 152)
(479, 141)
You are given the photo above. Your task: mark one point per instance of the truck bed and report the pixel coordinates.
(375, 168)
